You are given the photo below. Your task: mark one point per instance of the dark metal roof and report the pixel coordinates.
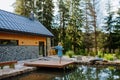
(15, 23)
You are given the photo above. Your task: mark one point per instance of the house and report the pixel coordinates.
(22, 38)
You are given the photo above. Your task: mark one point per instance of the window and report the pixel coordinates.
(8, 42)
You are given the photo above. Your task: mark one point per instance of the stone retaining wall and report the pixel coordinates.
(8, 53)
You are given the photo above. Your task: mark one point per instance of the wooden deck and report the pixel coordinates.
(50, 64)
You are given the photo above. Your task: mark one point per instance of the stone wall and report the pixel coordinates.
(8, 53)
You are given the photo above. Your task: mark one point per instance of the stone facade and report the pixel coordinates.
(9, 53)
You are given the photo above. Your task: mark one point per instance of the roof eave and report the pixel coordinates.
(27, 33)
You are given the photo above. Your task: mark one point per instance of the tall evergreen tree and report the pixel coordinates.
(88, 29)
(91, 20)
(24, 7)
(63, 12)
(109, 26)
(74, 25)
(116, 32)
(44, 12)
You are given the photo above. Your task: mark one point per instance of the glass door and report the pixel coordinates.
(41, 49)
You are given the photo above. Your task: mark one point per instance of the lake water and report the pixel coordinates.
(80, 73)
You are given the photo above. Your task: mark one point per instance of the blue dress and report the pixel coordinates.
(60, 50)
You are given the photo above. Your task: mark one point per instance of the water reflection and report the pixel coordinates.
(94, 73)
(81, 73)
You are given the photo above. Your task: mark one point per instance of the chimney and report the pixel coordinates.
(32, 15)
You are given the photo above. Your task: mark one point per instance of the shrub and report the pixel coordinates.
(118, 56)
(81, 52)
(100, 54)
(70, 53)
(109, 57)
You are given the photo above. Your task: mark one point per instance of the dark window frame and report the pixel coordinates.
(8, 42)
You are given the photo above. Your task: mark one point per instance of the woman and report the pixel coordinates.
(59, 49)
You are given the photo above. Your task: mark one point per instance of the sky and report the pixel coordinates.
(7, 5)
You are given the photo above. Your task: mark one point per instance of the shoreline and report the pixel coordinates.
(20, 68)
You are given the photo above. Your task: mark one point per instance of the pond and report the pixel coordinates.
(82, 72)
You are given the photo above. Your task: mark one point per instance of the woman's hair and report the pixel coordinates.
(59, 44)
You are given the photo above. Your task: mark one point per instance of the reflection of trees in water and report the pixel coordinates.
(93, 73)
(81, 73)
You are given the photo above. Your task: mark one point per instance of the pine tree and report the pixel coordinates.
(74, 25)
(116, 32)
(45, 12)
(109, 25)
(24, 7)
(91, 20)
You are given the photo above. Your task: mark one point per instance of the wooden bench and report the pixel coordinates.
(11, 64)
